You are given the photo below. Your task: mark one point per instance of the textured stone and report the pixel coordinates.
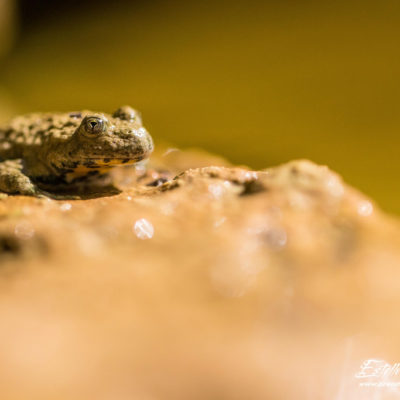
(198, 282)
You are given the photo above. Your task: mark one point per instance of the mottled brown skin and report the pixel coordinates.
(55, 151)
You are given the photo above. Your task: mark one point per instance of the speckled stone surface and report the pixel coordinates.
(199, 280)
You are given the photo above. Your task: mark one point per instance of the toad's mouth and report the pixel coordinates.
(92, 167)
(101, 162)
(94, 163)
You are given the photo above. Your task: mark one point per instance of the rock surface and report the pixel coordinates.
(199, 282)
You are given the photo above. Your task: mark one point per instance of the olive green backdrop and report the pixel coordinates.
(258, 82)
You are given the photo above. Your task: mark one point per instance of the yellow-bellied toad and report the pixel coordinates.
(51, 151)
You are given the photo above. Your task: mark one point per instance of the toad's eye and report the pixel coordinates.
(93, 126)
(126, 113)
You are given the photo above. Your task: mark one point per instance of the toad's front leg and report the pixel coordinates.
(14, 181)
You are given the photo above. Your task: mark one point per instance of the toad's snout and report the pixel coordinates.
(142, 146)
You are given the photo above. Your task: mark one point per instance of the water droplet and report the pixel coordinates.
(65, 207)
(365, 208)
(143, 229)
(24, 230)
(129, 198)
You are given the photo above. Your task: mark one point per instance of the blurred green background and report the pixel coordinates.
(258, 82)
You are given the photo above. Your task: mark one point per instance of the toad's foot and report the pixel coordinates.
(14, 181)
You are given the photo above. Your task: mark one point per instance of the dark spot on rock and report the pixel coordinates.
(252, 187)
(179, 176)
(212, 174)
(158, 182)
(107, 160)
(125, 160)
(9, 245)
(169, 185)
